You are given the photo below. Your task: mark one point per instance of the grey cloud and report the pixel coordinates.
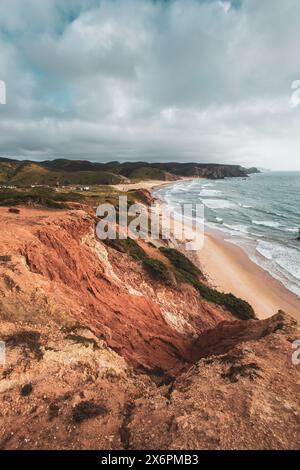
(203, 80)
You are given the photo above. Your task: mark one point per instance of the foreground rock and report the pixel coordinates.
(66, 389)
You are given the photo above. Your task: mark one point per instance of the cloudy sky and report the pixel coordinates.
(191, 80)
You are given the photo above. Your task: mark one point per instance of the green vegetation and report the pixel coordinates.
(157, 269)
(186, 271)
(42, 196)
(128, 246)
(27, 173)
(238, 307)
(146, 173)
(181, 263)
(84, 172)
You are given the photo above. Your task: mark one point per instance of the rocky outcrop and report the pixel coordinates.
(64, 388)
(227, 335)
(207, 170)
(246, 398)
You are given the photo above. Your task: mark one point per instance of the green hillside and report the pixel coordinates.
(83, 172)
(27, 174)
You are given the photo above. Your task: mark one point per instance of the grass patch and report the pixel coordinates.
(181, 263)
(128, 246)
(87, 410)
(41, 196)
(186, 271)
(157, 269)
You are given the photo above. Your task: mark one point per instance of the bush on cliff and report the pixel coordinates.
(157, 269)
(182, 264)
(238, 307)
(186, 271)
(128, 246)
(41, 196)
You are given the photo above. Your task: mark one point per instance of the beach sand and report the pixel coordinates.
(149, 184)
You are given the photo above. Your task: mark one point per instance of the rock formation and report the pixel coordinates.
(99, 355)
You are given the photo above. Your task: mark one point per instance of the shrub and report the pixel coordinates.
(186, 271)
(182, 264)
(26, 390)
(28, 340)
(157, 269)
(238, 307)
(128, 246)
(5, 259)
(87, 410)
(42, 196)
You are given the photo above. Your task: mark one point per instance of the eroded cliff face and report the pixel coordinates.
(56, 269)
(101, 356)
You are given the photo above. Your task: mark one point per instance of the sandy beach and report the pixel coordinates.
(149, 185)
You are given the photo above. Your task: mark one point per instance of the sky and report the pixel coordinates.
(155, 80)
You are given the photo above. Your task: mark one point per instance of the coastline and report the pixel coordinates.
(149, 185)
(228, 268)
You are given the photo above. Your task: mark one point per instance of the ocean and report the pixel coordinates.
(261, 214)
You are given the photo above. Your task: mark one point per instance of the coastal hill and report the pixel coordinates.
(64, 172)
(124, 344)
